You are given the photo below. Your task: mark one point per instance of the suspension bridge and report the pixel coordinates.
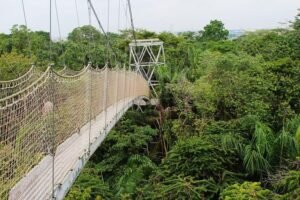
(51, 122)
(51, 125)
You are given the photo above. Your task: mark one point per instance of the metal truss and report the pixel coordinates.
(145, 57)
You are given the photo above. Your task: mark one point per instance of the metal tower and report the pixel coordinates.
(145, 57)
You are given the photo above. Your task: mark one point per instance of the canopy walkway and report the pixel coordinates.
(51, 123)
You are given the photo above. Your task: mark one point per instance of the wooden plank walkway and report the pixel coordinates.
(37, 184)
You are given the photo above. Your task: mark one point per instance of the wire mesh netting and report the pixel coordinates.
(40, 112)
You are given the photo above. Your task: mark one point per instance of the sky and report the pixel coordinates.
(154, 15)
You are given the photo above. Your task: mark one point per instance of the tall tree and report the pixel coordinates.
(215, 31)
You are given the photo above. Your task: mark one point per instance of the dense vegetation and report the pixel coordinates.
(228, 126)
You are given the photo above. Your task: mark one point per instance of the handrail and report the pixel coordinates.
(27, 88)
(83, 71)
(19, 78)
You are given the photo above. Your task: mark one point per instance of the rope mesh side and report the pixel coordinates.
(26, 138)
(10, 87)
(71, 104)
(24, 130)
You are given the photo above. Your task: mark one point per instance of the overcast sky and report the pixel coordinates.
(155, 15)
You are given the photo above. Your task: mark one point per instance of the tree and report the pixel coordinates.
(199, 157)
(215, 31)
(296, 23)
(180, 187)
(247, 191)
(258, 153)
(20, 39)
(13, 65)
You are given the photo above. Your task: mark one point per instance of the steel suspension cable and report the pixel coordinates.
(59, 30)
(27, 31)
(125, 12)
(52, 99)
(107, 29)
(131, 19)
(50, 32)
(101, 27)
(24, 13)
(77, 15)
(78, 26)
(91, 34)
(57, 18)
(119, 16)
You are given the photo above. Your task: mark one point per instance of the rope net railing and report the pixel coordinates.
(69, 72)
(39, 115)
(10, 87)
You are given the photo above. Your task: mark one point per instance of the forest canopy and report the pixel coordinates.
(228, 122)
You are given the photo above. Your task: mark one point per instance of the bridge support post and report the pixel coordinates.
(105, 98)
(117, 89)
(124, 89)
(52, 129)
(90, 105)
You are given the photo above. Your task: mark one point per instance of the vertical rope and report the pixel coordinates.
(108, 21)
(59, 31)
(117, 89)
(50, 32)
(105, 99)
(77, 15)
(119, 16)
(91, 34)
(125, 81)
(27, 31)
(90, 106)
(52, 95)
(52, 125)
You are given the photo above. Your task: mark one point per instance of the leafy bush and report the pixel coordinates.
(247, 191)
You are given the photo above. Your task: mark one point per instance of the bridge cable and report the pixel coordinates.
(126, 22)
(52, 98)
(91, 81)
(78, 26)
(102, 29)
(91, 34)
(134, 37)
(50, 32)
(119, 16)
(27, 30)
(77, 15)
(59, 32)
(132, 24)
(107, 29)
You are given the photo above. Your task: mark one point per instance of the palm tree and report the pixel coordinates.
(258, 153)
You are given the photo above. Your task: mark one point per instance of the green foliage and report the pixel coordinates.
(179, 187)
(89, 186)
(296, 23)
(215, 31)
(287, 144)
(229, 113)
(247, 191)
(13, 65)
(198, 157)
(121, 163)
(257, 154)
(137, 169)
(271, 45)
(231, 142)
(288, 183)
